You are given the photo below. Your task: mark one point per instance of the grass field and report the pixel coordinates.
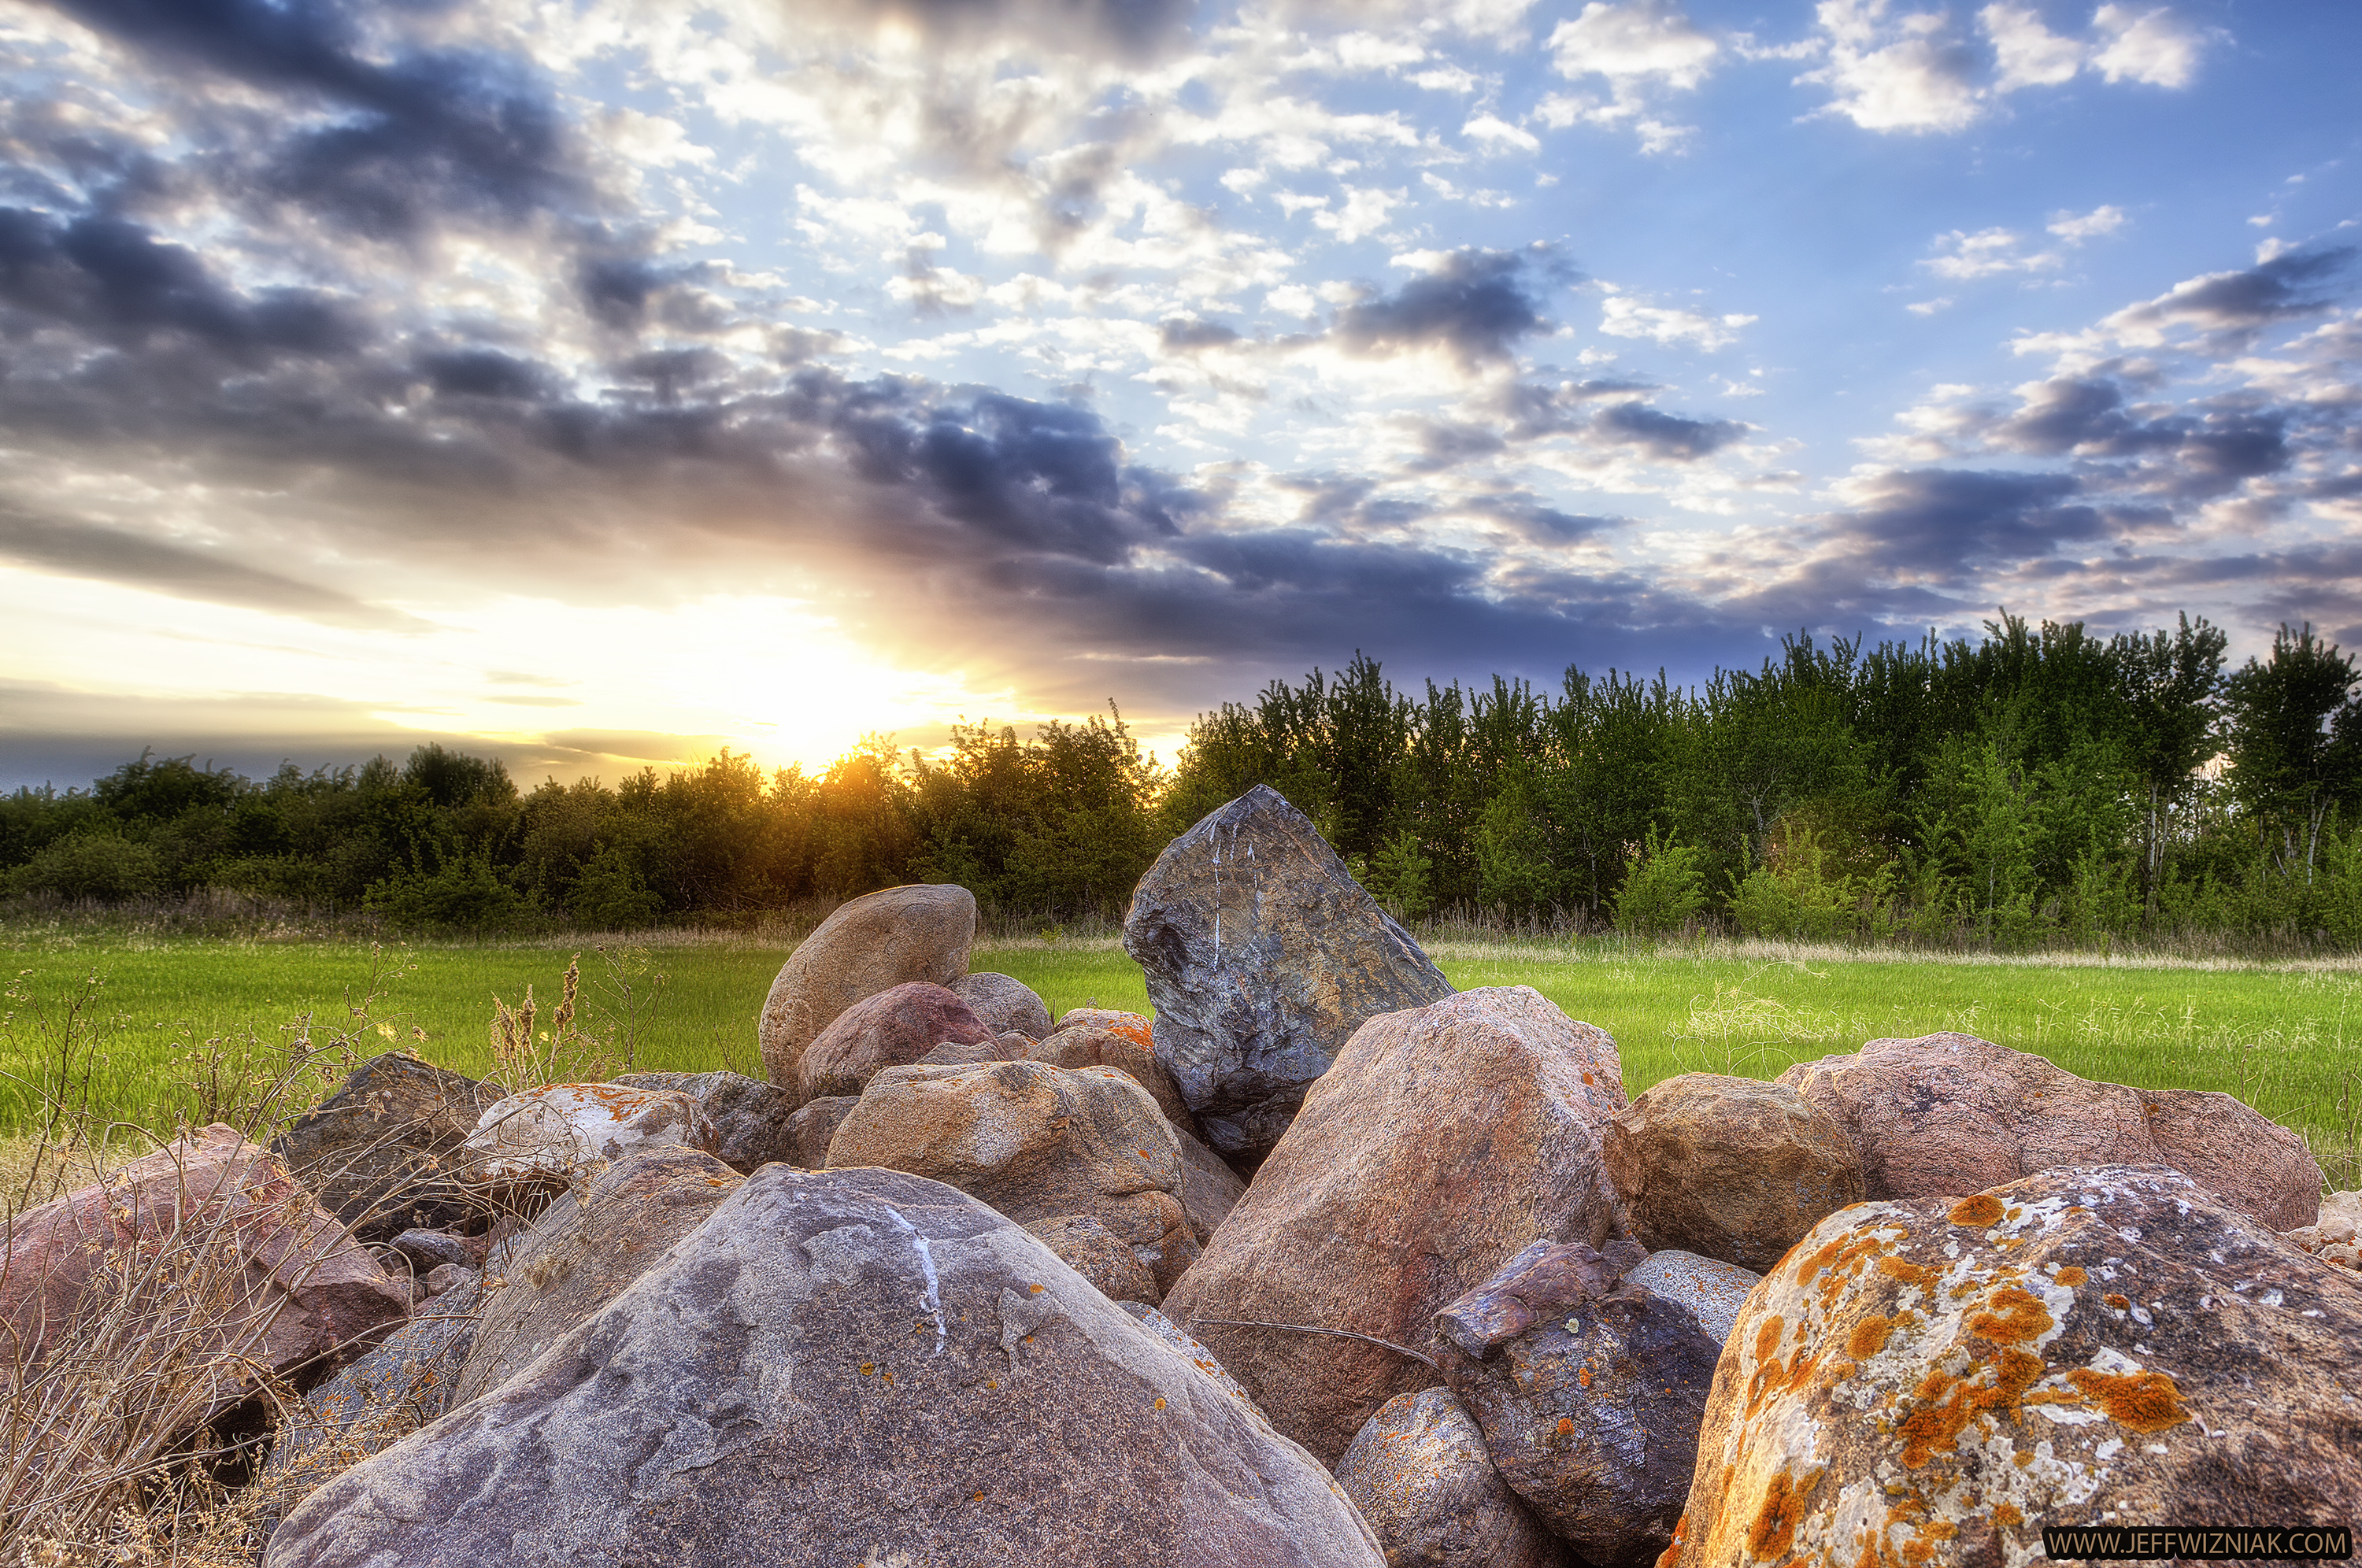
(2287, 1039)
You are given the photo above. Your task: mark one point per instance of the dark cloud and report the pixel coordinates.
(412, 137)
(1131, 28)
(114, 554)
(1475, 305)
(1183, 335)
(1945, 521)
(1531, 409)
(1664, 436)
(2237, 304)
(2190, 454)
(116, 281)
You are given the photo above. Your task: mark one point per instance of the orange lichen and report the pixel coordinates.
(1976, 1212)
(1583, 1378)
(1566, 1426)
(2007, 1514)
(2071, 1276)
(2122, 1303)
(1671, 1556)
(1589, 1079)
(1033, 1290)
(1773, 1530)
(1947, 1405)
(1160, 1401)
(1869, 1337)
(1766, 1338)
(1907, 1272)
(2017, 1317)
(2141, 1401)
(867, 1367)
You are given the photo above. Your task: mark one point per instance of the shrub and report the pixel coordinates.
(90, 866)
(1664, 889)
(464, 896)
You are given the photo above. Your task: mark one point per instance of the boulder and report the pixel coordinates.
(845, 1367)
(1010, 1047)
(1262, 955)
(875, 943)
(1094, 1045)
(1209, 1188)
(2333, 1237)
(892, 1029)
(379, 1153)
(1420, 1476)
(1932, 1380)
(584, 1250)
(381, 1397)
(1137, 1025)
(1004, 1003)
(1444, 1139)
(548, 1137)
(1181, 1345)
(1729, 1168)
(1712, 1290)
(426, 1250)
(1100, 1255)
(1034, 1142)
(813, 1124)
(1946, 1114)
(199, 1267)
(749, 1115)
(1589, 1389)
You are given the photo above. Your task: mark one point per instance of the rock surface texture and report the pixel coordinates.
(892, 1029)
(845, 1367)
(749, 1115)
(813, 1124)
(1262, 955)
(584, 1250)
(1004, 1003)
(2333, 1237)
(1124, 1049)
(1728, 1168)
(877, 942)
(1442, 1141)
(1209, 1188)
(551, 1136)
(1035, 1143)
(1930, 1381)
(1419, 1474)
(378, 1152)
(1100, 1255)
(1712, 1290)
(1589, 1391)
(106, 1277)
(1949, 1114)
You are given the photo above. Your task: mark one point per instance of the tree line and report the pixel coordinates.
(2037, 783)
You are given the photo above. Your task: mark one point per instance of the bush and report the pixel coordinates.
(1664, 889)
(90, 866)
(464, 896)
(612, 895)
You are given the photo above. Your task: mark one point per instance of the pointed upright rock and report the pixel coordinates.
(1262, 957)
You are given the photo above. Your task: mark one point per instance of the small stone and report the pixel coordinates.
(446, 1277)
(426, 1249)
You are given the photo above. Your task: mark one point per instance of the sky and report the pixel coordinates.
(601, 383)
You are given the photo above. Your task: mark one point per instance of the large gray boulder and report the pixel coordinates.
(877, 942)
(1262, 955)
(1005, 1003)
(584, 1250)
(1420, 1474)
(842, 1367)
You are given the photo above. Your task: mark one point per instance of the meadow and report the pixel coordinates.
(2286, 1038)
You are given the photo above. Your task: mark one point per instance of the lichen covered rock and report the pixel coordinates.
(1931, 1381)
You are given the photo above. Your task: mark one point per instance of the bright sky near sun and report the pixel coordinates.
(601, 382)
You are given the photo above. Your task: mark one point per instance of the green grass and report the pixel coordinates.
(2287, 1039)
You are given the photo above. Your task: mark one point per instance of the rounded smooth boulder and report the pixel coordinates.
(878, 941)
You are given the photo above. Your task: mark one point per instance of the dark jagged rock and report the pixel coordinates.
(749, 1115)
(1590, 1391)
(380, 1153)
(1262, 955)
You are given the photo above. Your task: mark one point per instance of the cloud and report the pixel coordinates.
(1666, 435)
(1625, 315)
(1913, 73)
(105, 554)
(2226, 309)
(1934, 525)
(1995, 252)
(1648, 39)
(1474, 306)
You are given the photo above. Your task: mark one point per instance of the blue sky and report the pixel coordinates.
(602, 383)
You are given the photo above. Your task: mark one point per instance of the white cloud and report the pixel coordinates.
(1491, 128)
(1626, 315)
(2155, 47)
(2031, 55)
(1928, 307)
(1906, 77)
(1365, 213)
(1645, 38)
(2075, 229)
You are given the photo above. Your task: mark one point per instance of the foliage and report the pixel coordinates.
(1665, 889)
